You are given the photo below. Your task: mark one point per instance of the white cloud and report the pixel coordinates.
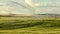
(29, 2)
(37, 4)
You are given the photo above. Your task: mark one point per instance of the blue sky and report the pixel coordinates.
(30, 6)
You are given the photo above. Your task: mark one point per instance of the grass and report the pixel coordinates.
(29, 26)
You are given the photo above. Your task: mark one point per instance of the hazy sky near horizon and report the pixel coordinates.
(30, 6)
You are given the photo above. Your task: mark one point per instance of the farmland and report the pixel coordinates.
(17, 25)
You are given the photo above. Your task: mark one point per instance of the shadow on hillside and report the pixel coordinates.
(23, 24)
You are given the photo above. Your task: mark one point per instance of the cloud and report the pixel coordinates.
(29, 2)
(37, 4)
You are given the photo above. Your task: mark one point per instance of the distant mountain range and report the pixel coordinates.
(38, 15)
(50, 14)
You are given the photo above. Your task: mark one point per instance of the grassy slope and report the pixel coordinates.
(43, 27)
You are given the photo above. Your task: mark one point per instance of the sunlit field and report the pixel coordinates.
(17, 25)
